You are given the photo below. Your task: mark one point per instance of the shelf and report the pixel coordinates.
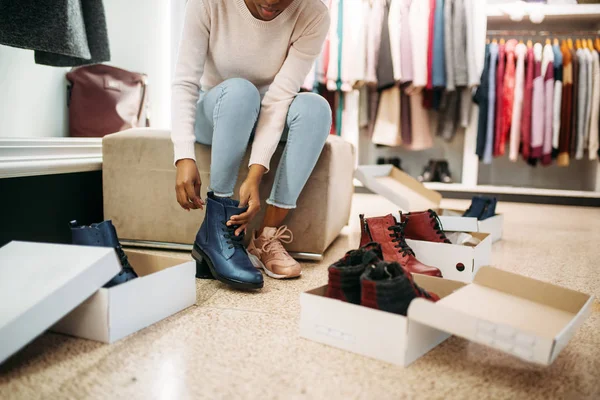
(48, 156)
(552, 12)
(513, 190)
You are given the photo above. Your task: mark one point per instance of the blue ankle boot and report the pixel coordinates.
(482, 208)
(219, 252)
(103, 234)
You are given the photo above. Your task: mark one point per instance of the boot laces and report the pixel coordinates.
(232, 240)
(437, 225)
(397, 233)
(274, 243)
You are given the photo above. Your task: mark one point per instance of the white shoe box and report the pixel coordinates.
(457, 262)
(411, 195)
(165, 286)
(42, 283)
(529, 319)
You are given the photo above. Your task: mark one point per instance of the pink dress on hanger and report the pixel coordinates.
(537, 114)
(508, 95)
(548, 73)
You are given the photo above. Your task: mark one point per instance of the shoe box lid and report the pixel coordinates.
(40, 283)
(521, 316)
(411, 195)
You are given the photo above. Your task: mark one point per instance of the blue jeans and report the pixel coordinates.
(225, 119)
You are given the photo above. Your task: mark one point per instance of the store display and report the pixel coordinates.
(103, 234)
(482, 208)
(429, 172)
(424, 225)
(443, 172)
(219, 252)
(344, 275)
(390, 235)
(266, 252)
(550, 102)
(386, 286)
(436, 171)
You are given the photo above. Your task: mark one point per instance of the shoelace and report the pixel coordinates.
(124, 261)
(232, 240)
(398, 237)
(274, 243)
(437, 225)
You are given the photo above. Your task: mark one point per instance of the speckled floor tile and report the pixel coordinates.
(246, 345)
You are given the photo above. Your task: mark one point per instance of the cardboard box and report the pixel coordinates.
(165, 286)
(411, 195)
(377, 334)
(40, 283)
(456, 262)
(521, 316)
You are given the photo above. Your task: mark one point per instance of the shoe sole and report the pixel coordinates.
(203, 259)
(259, 265)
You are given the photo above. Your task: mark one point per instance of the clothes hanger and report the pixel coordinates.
(502, 41)
(548, 42)
(520, 41)
(487, 41)
(590, 44)
(570, 43)
(578, 44)
(529, 43)
(598, 43)
(495, 41)
(556, 42)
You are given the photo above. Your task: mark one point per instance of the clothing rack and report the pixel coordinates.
(542, 33)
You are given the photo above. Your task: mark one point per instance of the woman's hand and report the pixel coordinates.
(249, 196)
(188, 185)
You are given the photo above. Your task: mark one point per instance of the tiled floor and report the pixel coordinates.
(246, 345)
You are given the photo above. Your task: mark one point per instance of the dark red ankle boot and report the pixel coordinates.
(387, 232)
(424, 225)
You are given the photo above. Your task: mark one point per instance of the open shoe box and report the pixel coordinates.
(165, 286)
(411, 195)
(529, 319)
(41, 283)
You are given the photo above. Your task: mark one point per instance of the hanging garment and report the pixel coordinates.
(459, 38)
(566, 108)
(353, 45)
(405, 115)
(449, 115)
(333, 72)
(374, 31)
(517, 109)
(527, 105)
(476, 25)
(537, 114)
(430, 43)
(548, 74)
(500, 108)
(406, 50)
(558, 87)
(387, 125)
(420, 128)
(438, 74)
(508, 95)
(590, 95)
(582, 103)
(385, 65)
(466, 106)
(67, 33)
(491, 120)
(481, 98)
(395, 32)
(595, 112)
(575, 110)
(448, 44)
(419, 28)
(350, 117)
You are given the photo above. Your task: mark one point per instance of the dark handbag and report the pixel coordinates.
(104, 99)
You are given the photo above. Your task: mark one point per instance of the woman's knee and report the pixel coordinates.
(242, 91)
(312, 108)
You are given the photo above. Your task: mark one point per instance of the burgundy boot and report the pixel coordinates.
(387, 232)
(424, 225)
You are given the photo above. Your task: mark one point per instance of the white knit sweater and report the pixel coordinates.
(222, 40)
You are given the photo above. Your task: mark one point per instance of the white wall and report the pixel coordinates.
(33, 97)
